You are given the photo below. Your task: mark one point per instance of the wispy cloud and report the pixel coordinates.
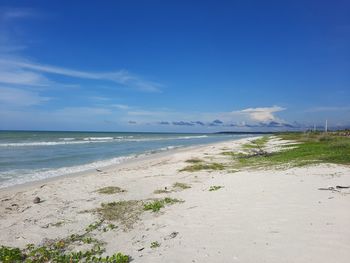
(121, 106)
(150, 113)
(17, 76)
(328, 109)
(16, 13)
(13, 97)
(121, 77)
(82, 112)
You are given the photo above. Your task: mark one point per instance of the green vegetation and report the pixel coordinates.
(156, 205)
(215, 187)
(155, 244)
(57, 254)
(59, 250)
(194, 160)
(181, 185)
(311, 148)
(203, 166)
(8, 254)
(125, 212)
(94, 226)
(110, 190)
(100, 226)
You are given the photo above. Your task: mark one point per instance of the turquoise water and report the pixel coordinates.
(30, 156)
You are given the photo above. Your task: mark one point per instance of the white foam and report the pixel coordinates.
(23, 176)
(24, 144)
(64, 141)
(20, 176)
(98, 138)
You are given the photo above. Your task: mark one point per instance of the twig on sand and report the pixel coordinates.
(331, 188)
(342, 187)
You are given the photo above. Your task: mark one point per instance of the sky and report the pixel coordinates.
(174, 66)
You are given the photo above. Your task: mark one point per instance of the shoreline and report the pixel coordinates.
(133, 158)
(215, 214)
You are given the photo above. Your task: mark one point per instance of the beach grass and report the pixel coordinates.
(203, 166)
(175, 187)
(312, 148)
(161, 191)
(125, 212)
(156, 205)
(155, 244)
(193, 160)
(215, 187)
(110, 190)
(181, 185)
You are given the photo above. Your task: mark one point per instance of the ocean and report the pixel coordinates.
(27, 156)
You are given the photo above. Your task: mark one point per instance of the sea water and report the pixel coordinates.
(30, 155)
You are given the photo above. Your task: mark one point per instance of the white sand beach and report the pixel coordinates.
(261, 215)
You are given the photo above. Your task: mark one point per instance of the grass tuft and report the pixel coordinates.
(155, 244)
(156, 205)
(203, 166)
(125, 212)
(161, 191)
(110, 190)
(215, 187)
(181, 185)
(194, 160)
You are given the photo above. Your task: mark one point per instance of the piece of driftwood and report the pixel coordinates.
(342, 187)
(331, 188)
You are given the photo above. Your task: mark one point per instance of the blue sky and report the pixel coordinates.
(191, 66)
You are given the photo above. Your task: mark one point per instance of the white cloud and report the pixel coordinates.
(13, 97)
(121, 77)
(121, 106)
(263, 114)
(17, 76)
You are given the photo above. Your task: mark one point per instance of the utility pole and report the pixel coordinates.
(314, 127)
(326, 127)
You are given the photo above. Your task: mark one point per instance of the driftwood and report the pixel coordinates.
(342, 187)
(331, 188)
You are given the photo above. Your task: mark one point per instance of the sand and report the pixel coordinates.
(257, 216)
